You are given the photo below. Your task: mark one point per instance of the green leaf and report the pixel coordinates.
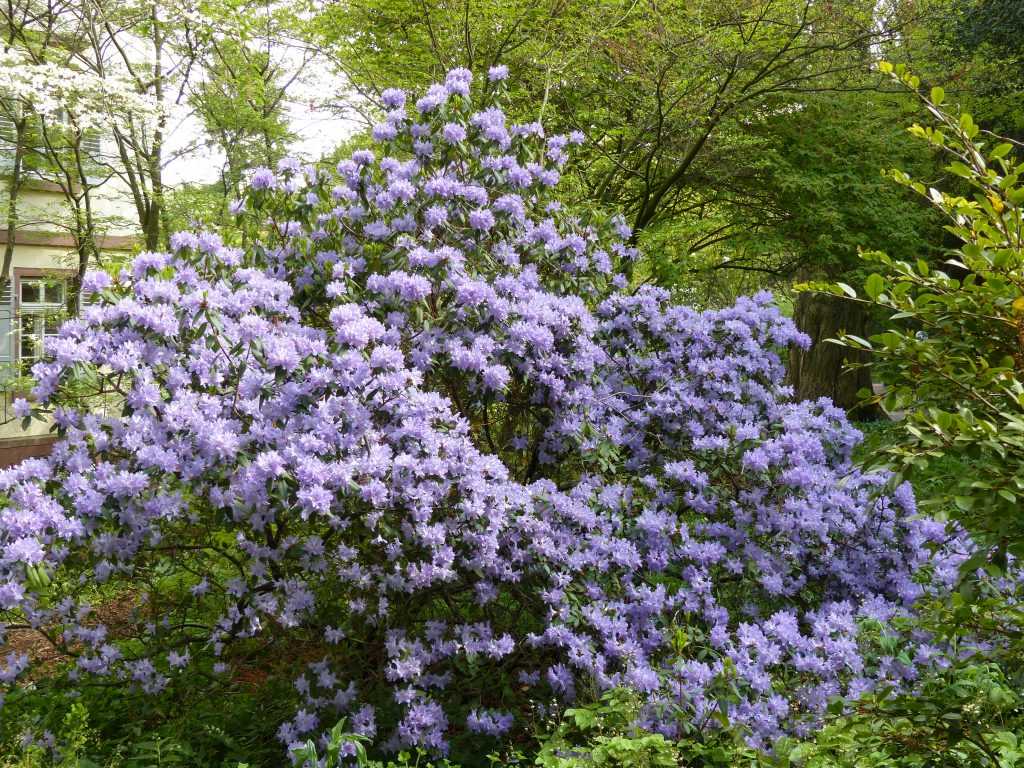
(874, 286)
(847, 290)
(858, 340)
(938, 95)
(958, 168)
(585, 719)
(965, 503)
(1002, 150)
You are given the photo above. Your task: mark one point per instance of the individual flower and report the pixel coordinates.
(454, 133)
(393, 98)
(262, 178)
(481, 219)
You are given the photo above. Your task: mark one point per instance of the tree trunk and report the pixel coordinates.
(13, 190)
(157, 215)
(820, 370)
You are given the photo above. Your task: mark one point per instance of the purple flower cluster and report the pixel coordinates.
(422, 427)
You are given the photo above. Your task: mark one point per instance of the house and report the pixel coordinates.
(34, 301)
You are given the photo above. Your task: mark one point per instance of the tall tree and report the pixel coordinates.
(139, 41)
(62, 107)
(13, 141)
(249, 57)
(678, 100)
(820, 175)
(658, 85)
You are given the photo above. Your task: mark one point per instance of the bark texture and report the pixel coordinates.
(820, 370)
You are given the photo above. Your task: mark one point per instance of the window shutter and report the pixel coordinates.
(7, 324)
(92, 145)
(8, 135)
(7, 129)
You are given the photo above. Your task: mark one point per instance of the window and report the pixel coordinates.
(92, 146)
(47, 292)
(42, 302)
(89, 142)
(8, 133)
(7, 129)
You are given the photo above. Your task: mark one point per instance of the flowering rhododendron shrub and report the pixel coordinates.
(420, 427)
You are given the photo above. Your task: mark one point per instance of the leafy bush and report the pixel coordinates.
(952, 358)
(968, 713)
(419, 440)
(606, 734)
(952, 353)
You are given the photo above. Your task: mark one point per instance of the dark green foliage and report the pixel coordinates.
(996, 23)
(743, 139)
(219, 727)
(821, 175)
(952, 350)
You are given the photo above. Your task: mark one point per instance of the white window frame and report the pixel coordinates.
(41, 312)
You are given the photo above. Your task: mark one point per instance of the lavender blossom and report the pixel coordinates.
(430, 378)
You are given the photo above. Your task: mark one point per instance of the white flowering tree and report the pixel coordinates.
(54, 106)
(226, 64)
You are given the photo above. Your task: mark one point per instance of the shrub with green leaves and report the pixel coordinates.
(605, 734)
(952, 351)
(952, 358)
